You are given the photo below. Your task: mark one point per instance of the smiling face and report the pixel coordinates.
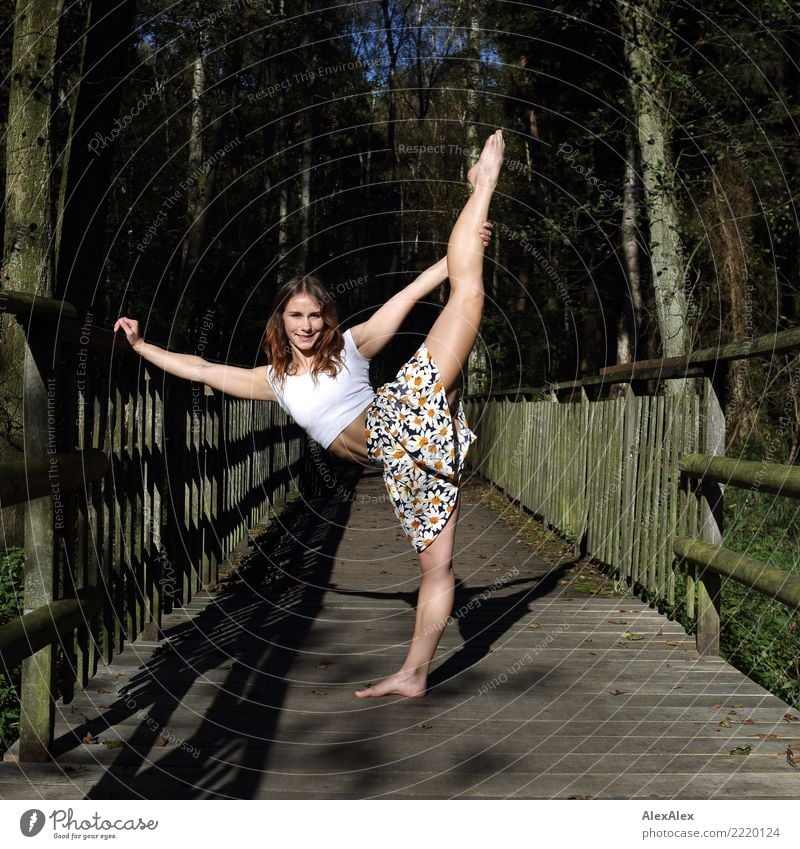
(303, 322)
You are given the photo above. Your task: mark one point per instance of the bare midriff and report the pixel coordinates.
(351, 443)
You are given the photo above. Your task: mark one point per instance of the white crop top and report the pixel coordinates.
(325, 408)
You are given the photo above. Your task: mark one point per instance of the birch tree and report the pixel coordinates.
(631, 316)
(642, 30)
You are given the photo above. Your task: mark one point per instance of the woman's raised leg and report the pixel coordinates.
(454, 332)
(449, 342)
(434, 606)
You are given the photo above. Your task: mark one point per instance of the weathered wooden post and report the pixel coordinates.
(712, 430)
(630, 460)
(42, 515)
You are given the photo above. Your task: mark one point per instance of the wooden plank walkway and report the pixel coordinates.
(537, 692)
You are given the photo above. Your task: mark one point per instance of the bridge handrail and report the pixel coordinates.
(758, 475)
(47, 625)
(694, 365)
(608, 470)
(152, 482)
(24, 480)
(777, 583)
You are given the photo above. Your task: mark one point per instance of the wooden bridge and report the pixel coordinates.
(204, 593)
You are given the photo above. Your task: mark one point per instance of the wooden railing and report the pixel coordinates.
(637, 480)
(136, 485)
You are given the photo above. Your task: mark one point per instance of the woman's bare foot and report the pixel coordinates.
(486, 171)
(409, 684)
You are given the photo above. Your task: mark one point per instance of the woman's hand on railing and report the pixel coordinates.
(130, 327)
(485, 232)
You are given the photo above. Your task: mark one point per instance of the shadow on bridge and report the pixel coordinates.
(254, 631)
(482, 614)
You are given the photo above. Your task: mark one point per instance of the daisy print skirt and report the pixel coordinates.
(410, 431)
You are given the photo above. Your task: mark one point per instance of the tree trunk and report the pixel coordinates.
(476, 365)
(281, 136)
(197, 194)
(642, 33)
(630, 319)
(731, 240)
(391, 142)
(306, 153)
(472, 83)
(28, 261)
(94, 133)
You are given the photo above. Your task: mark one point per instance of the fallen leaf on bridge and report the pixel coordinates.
(790, 717)
(741, 750)
(89, 739)
(534, 626)
(767, 736)
(629, 636)
(793, 756)
(748, 722)
(725, 723)
(160, 742)
(114, 744)
(618, 621)
(672, 643)
(616, 692)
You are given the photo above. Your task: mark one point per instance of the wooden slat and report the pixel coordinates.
(630, 454)
(709, 587)
(617, 461)
(644, 422)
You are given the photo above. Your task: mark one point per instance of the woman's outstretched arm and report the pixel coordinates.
(232, 380)
(377, 331)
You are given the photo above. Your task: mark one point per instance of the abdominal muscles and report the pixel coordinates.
(351, 443)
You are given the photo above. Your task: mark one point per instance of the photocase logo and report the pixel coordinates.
(31, 822)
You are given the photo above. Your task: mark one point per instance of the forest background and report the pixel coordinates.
(176, 162)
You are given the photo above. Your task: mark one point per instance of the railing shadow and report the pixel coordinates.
(481, 624)
(259, 630)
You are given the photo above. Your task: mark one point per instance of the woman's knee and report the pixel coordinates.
(435, 564)
(468, 295)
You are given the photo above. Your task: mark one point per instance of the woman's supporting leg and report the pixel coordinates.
(454, 332)
(434, 606)
(449, 342)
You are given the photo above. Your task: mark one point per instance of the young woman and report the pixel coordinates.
(321, 377)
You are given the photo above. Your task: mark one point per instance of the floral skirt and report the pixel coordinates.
(410, 431)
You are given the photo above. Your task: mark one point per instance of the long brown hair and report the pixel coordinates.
(328, 357)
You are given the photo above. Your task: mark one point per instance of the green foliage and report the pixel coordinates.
(760, 636)
(11, 589)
